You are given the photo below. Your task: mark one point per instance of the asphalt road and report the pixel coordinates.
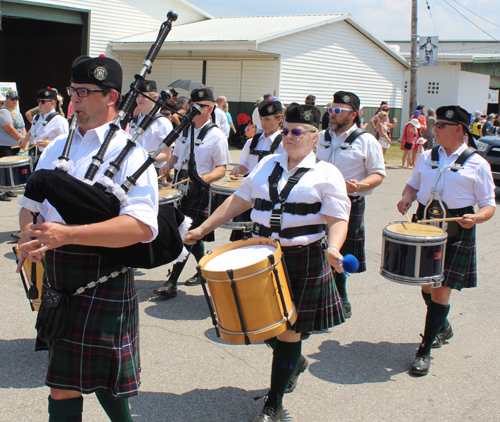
(357, 372)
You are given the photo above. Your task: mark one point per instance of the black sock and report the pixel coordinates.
(427, 297)
(69, 410)
(117, 410)
(198, 250)
(271, 342)
(285, 358)
(434, 320)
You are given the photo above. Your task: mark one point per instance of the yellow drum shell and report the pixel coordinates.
(26, 279)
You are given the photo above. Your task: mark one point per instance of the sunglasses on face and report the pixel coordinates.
(337, 110)
(441, 125)
(44, 101)
(294, 132)
(81, 92)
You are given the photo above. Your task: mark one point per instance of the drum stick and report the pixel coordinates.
(15, 146)
(439, 220)
(32, 146)
(236, 177)
(186, 180)
(361, 185)
(407, 217)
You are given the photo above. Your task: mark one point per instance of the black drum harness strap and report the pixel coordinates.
(135, 120)
(347, 143)
(436, 208)
(292, 208)
(262, 153)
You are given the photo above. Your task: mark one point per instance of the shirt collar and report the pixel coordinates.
(271, 137)
(98, 132)
(343, 134)
(457, 152)
(308, 161)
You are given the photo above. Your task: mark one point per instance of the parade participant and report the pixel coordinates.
(265, 143)
(159, 128)
(48, 123)
(472, 184)
(358, 156)
(99, 351)
(212, 156)
(300, 180)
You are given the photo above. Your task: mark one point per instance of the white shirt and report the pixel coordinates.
(143, 197)
(221, 120)
(322, 183)
(263, 144)
(466, 187)
(154, 134)
(363, 158)
(213, 151)
(256, 120)
(56, 127)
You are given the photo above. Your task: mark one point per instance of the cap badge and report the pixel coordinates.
(307, 115)
(346, 99)
(100, 73)
(270, 109)
(201, 94)
(449, 114)
(46, 93)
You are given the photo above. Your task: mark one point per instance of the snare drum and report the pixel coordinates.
(169, 196)
(15, 171)
(249, 290)
(219, 192)
(27, 279)
(413, 253)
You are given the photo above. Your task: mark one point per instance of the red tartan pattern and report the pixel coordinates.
(355, 240)
(101, 346)
(315, 296)
(460, 262)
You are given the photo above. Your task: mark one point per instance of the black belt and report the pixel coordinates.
(261, 230)
(292, 250)
(298, 208)
(454, 212)
(356, 198)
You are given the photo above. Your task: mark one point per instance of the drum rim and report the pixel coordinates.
(221, 190)
(420, 281)
(437, 238)
(26, 160)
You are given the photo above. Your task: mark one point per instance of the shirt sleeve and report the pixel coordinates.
(484, 188)
(245, 154)
(335, 202)
(5, 117)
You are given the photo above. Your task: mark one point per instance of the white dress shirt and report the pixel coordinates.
(471, 185)
(263, 144)
(322, 183)
(221, 121)
(56, 127)
(363, 158)
(142, 201)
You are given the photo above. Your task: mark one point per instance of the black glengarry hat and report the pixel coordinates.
(303, 113)
(47, 94)
(349, 98)
(102, 71)
(270, 107)
(148, 86)
(202, 94)
(455, 114)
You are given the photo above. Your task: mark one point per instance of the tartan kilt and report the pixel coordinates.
(460, 262)
(315, 296)
(100, 348)
(355, 241)
(197, 208)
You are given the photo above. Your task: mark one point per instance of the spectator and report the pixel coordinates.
(477, 126)
(183, 105)
(419, 115)
(310, 100)
(373, 122)
(383, 130)
(219, 116)
(408, 141)
(325, 120)
(429, 130)
(488, 125)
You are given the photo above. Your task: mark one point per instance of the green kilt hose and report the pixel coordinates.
(197, 208)
(100, 348)
(460, 262)
(315, 296)
(355, 241)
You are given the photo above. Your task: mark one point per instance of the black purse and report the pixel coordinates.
(408, 145)
(52, 319)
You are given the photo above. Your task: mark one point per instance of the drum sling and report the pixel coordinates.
(262, 153)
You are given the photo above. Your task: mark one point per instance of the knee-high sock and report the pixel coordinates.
(179, 266)
(285, 358)
(427, 298)
(117, 410)
(198, 250)
(340, 282)
(434, 320)
(69, 410)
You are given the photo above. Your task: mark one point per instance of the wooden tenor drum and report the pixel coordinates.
(26, 277)
(249, 290)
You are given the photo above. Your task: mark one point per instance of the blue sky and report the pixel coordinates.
(387, 19)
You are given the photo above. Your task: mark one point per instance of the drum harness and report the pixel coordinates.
(299, 208)
(45, 122)
(263, 153)
(135, 120)
(436, 208)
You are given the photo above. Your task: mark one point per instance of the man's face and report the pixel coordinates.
(207, 107)
(270, 124)
(46, 106)
(449, 134)
(343, 121)
(90, 109)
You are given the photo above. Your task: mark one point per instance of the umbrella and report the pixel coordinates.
(186, 84)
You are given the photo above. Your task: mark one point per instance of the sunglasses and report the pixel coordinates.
(44, 101)
(441, 125)
(81, 92)
(294, 132)
(337, 110)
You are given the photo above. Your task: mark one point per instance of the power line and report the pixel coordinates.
(435, 29)
(475, 14)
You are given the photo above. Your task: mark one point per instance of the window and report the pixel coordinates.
(433, 88)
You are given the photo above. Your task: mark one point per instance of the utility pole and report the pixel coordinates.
(413, 76)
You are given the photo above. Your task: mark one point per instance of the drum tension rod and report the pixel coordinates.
(280, 290)
(238, 305)
(207, 298)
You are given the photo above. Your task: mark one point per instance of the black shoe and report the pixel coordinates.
(10, 194)
(302, 365)
(421, 365)
(3, 197)
(168, 290)
(272, 411)
(348, 310)
(442, 336)
(193, 281)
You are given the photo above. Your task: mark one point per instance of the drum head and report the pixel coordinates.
(414, 229)
(165, 192)
(14, 159)
(240, 258)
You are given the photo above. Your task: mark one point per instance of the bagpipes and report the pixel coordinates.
(84, 202)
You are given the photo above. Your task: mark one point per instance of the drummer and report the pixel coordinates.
(212, 156)
(462, 190)
(361, 161)
(321, 191)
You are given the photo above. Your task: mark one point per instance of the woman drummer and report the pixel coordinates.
(311, 195)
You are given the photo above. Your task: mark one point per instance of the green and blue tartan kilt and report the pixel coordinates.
(101, 346)
(355, 241)
(197, 208)
(315, 296)
(460, 262)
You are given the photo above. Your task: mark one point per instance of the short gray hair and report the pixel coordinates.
(182, 101)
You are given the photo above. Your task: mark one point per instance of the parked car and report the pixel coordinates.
(489, 147)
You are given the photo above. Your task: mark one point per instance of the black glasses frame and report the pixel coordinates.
(82, 92)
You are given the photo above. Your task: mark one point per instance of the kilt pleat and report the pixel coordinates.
(355, 240)
(460, 263)
(100, 348)
(316, 298)
(197, 208)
